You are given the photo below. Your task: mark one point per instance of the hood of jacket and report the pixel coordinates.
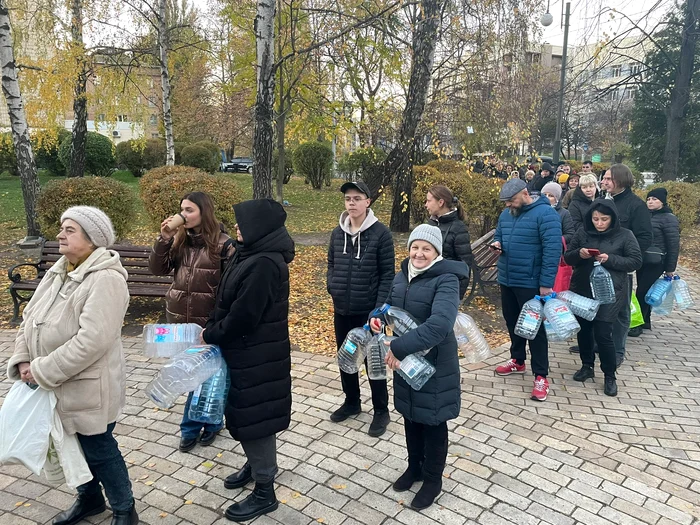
(444, 219)
(537, 200)
(261, 222)
(444, 266)
(606, 207)
(345, 225)
(580, 196)
(100, 259)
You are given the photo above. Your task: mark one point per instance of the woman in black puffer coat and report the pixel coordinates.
(584, 194)
(619, 255)
(432, 299)
(446, 213)
(667, 241)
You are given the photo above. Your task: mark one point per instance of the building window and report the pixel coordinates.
(155, 135)
(153, 120)
(101, 117)
(151, 102)
(631, 92)
(122, 118)
(613, 95)
(617, 71)
(635, 69)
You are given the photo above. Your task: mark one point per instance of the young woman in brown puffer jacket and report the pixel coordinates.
(196, 252)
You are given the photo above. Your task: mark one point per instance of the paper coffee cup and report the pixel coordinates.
(175, 222)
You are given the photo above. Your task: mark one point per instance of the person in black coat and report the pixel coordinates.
(582, 197)
(447, 214)
(619, 254)
(545, 175)
(432, 299)
(360, 271)
(662, 257)
(633, 215)
(552, 191)
(250, 325)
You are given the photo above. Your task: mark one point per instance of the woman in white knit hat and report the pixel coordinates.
(428, 288)
(70, 342)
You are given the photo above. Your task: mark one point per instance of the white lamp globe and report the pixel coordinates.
(547, 19)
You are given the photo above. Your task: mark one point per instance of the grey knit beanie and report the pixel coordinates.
(94, 223)
(428, 233)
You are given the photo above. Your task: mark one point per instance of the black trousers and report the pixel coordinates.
(600, 333)
(427, 448)
(512, 301)
(351, 382)
(646, 276)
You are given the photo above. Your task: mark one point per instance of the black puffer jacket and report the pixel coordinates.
(578, 207)
(567, 224)
(432, 298)
(250, 323)
(623, 253)
(360, 274)
(456, 244)
(667, 236)
(634, 215)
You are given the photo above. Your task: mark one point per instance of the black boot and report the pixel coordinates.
(380, 420)
(84, 506)
(413, 473)
(427, 494)
(586, 372)
(610, 386)
(344, 412)
(635, 332)
(128, 517)
(261, 501)
(240, 478)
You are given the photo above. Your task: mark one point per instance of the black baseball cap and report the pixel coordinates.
(357, 185)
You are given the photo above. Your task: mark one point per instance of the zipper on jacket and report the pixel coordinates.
(349, 279)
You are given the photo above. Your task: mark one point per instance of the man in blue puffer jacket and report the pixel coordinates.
(528, 237)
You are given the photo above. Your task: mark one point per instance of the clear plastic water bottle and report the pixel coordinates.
(658, 291)
(602, 284)
(666, 306)
(561, 318)
(552, 335)
(166, 340)
(209, 398)
(353, 350)
(400, 321)
(416, 371)
(681, 293)
(470, 340)
(530, 319)
(376, 353)
(584, 307)
(185, 372)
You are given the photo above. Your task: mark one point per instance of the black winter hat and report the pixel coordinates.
(548, 167)
(258, 218)
(659, 193)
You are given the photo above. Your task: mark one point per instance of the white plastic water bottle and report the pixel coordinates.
(209, 398)
(602, 284)
(416, 370)
(681, 292)
(530, 319)
(184, 373)
(658, 291)
(354, 349)
(563, 321)
(584, 307)
(470, 340)
(166, 340)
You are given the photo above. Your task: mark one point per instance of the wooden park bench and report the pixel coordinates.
(141, 281)
(483, 268)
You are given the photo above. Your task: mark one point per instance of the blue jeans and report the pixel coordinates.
(108, 468)
(191, 429)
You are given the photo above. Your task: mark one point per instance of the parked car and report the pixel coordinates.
(239, 164)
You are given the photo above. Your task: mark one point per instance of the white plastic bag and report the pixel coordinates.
(26, 419)
(65, 462)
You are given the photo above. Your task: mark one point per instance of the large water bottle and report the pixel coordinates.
(166, 340)
(185, 372)
(376, 353)
(582, 306)
(353, 350)
(681, 293)
(209, 398)
(470, 340)
(562, 319)
(602, 284)
(552, 335)
(530, 319)
(666, 306)
(416, 371)
(658, 291)
(400, 321)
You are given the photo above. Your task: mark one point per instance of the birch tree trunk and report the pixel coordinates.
(79, 138)
(18, 122)
(163, 47)
(264, 100)
(680, 94)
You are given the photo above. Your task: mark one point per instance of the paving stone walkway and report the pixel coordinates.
(578, 458)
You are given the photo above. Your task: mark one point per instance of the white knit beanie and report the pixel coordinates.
(428, 233)
(94, 223)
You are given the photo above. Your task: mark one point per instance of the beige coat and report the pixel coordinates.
(71, 335)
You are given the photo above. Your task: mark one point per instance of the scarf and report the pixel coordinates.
(414, 272)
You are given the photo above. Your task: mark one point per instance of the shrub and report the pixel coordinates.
(198, 157)
(99, 154)
(129, 156)
(8, 159)
(162, 189)
(45, 143)
(683, 199)
(314, 161)
(179, 146)
(115, 198)
(478, 195)
(154, 154)
(363, 163)
(213, 149)
(288, 168)
(447, 165)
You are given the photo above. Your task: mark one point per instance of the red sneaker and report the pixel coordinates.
(510, 367)
(541, 389)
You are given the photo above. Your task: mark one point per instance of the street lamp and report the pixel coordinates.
(547, 20)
